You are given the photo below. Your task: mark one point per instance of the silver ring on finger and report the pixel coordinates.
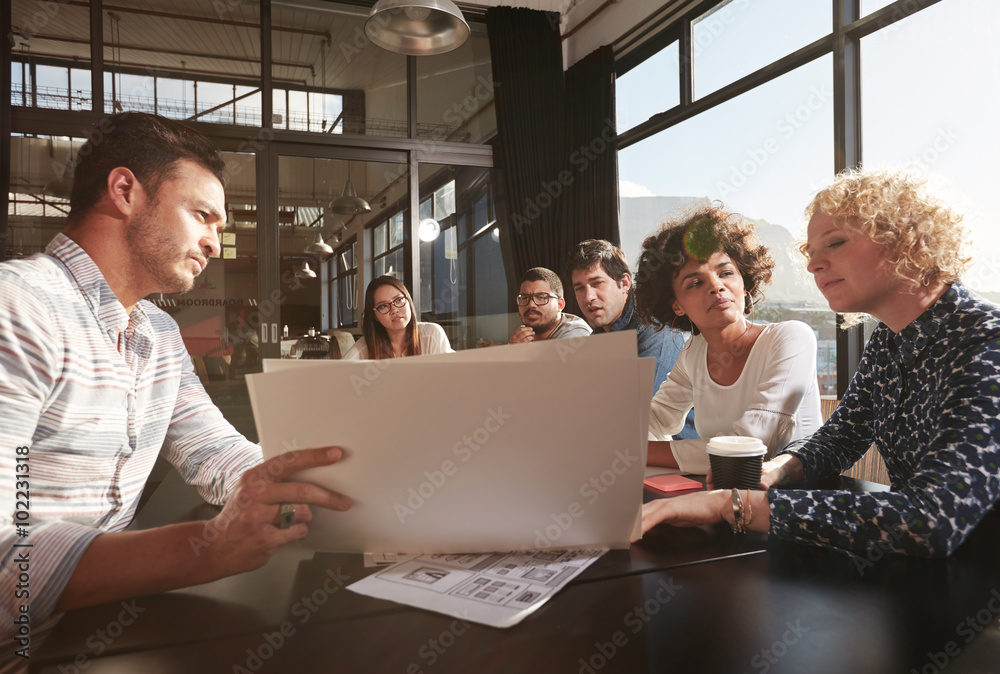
(286, 515)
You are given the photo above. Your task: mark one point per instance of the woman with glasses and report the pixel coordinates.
(390, 328)
(704, 274)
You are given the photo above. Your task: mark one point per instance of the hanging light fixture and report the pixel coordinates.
(319, 246)
(429, 230)
(417, 27)
(304, 271)
(349, 203)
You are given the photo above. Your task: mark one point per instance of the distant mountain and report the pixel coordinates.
(642, 216)
(790, 283)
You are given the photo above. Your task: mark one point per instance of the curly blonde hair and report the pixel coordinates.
(923, 239)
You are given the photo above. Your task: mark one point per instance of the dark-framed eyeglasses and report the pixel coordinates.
(385, 307)
(540, 299)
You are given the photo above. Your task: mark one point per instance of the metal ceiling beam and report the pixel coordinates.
(172, 52)
(200, 19)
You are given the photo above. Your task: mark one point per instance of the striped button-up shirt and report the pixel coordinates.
(89, 396)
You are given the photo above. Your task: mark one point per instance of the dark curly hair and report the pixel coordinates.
(697, 236)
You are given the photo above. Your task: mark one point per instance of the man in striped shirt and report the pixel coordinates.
(95, 382)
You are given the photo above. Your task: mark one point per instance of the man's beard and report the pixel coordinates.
(541, 323)
(156, 254)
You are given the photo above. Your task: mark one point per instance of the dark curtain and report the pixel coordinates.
(529, 151)
(589, 208)
(555, 156)
(591, 211)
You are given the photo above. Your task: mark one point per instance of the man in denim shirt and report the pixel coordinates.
(602, 283)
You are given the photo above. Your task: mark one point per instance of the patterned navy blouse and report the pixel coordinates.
(929, 399)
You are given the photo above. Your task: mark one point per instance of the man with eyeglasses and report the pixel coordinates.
(540, 304)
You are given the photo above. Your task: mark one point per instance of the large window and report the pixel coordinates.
(765, 148)
(649, 88)
(463, 284)
(388, 238)
(455, 93)
(319, 293)
(759, 154)
(936, 115)
(343, 297)
(50, 55)
(737, 37)
(179, 64)
(328, 74)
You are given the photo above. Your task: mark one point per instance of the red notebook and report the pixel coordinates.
(671, 485)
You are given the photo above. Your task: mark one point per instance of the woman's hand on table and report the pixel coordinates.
(708, 507)
(689, 510)
(782, 470)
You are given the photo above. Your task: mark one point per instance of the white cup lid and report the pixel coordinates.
(736, 445)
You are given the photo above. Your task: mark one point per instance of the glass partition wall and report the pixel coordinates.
(301, 102)
(461, 266)
(168, 59)
(319, 250)
(38, 196)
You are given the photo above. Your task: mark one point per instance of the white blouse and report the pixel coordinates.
(432, 340)
(775, 399)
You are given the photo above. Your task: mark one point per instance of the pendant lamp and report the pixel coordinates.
(429, 230)
(349, 203)
(417, 27)
(304, 271)
(319, 246)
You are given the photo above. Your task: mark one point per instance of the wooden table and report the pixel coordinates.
(686, 600)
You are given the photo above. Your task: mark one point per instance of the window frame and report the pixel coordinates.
(340, 282)
(848, 27)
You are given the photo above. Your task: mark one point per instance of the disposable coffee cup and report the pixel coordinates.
(736, 461)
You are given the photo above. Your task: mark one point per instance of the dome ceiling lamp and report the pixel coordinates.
(304, 271)
(417, 27)
(319, 246)
(349, 203)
